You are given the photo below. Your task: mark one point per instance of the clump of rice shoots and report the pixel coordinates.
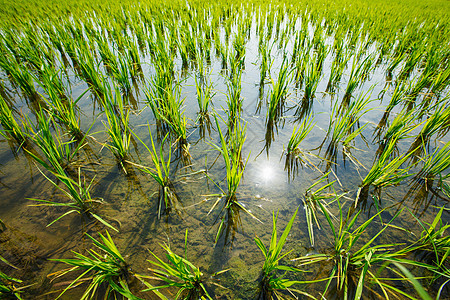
(161, 173)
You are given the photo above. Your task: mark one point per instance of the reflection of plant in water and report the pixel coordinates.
(178, 272)
(107, 267)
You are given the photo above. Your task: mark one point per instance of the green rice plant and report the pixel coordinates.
(118, 125)
(167, 106)
(415, 56)
(122, 74)
(171, 111)
(384, 172)
(77, 191)
(234, 100)
(436, 163)
(11, 128)
(270, 283)
(59, 153)
(179, 272)
(435, 123)
(344, 127)
(440, 81)
(434, 239)
(20, 76)
(205, 94)
(276, 103)
(64, 109)
(310, 204)
(422, 82)
(234, 166)
(102, 266)
(416, 284)
(8, 287)
(352, 259)
(89, 71)
(265, 56)
(311, 81)
(395, 62)
(337, 70)
(399, 95)
(357, 76)
(168, 198)
(398, 129)
(239, 47)
(294, 154)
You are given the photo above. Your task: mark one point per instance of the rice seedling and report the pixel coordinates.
(384, 172)
(435, 123)
(204, 96)
(399, 95)
(434, 240)
(311, 80)
(310, 204)
(276, 103)
(167, 198)
(167, 106)
(270, 284)
(9, 287)
(352, 261)
(344, 127)
(357, 77)
(415, 56)
(398, 129)
(234, 166)
(64, 109)
(118, 125)
(89, 71)
(265, 56)
(234, 99)
(436, 163)
(337, 70)
(179, 272)
(101, 266)
(20, 76)
(11, 128)
(294, 154)
(440, 82)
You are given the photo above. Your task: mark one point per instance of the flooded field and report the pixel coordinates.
(260, 150)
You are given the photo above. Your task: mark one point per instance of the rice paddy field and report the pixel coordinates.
(224, 150)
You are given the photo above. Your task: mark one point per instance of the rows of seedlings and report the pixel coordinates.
(147, 146)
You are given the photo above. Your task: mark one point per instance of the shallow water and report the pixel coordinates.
(131, 199)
